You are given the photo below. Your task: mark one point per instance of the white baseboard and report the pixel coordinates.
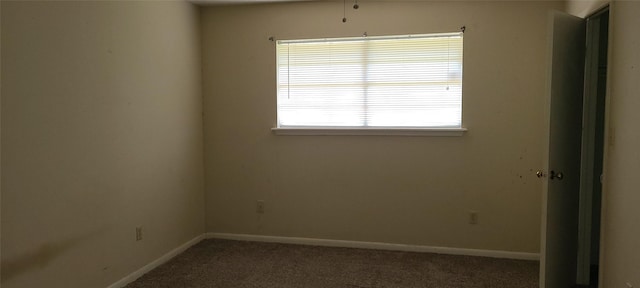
(376, 245)
(166, 257)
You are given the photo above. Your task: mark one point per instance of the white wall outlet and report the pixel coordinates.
(138, 233)
(260, 207)
(473, 217)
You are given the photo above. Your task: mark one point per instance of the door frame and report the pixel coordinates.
(609, 138)
(608, 141)
(594, 105)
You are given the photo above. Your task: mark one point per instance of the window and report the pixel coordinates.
(411, 81)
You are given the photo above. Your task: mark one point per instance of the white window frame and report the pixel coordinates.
(369, 130)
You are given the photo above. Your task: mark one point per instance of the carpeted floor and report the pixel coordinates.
(239, 264)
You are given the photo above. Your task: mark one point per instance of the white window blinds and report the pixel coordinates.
(367, 82)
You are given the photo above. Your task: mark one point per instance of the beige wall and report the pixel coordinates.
(620, 254)
(621, 233)
(412, 190)
(583, 8)
(0, 146)
(101, 132)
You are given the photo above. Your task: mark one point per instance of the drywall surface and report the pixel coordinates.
(409, 190)
(0, 147)
(101, 133)
(583, 8)
(620, 254)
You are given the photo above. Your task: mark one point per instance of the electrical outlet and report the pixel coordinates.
(138, 233)
(473, 217)
(260, 207)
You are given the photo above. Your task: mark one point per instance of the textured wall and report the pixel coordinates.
(412, 190)
(620, 232)
(583, 8)
(101, 132)
(620, 254)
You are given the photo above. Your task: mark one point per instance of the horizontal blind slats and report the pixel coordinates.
(411, 81)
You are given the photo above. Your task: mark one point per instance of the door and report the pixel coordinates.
(562, 174)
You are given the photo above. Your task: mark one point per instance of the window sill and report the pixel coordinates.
(437, 132)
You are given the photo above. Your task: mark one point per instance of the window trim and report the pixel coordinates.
(372, 130)
(357, 131)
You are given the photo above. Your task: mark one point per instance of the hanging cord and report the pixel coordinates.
(288, 71)
(344, 11)
(448, 61)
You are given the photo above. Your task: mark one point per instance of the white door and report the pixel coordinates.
(562, 174)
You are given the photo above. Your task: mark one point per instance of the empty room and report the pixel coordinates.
(351, 143)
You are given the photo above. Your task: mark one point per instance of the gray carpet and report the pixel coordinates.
(239, 264)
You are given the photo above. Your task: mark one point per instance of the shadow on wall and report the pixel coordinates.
(40, 257)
